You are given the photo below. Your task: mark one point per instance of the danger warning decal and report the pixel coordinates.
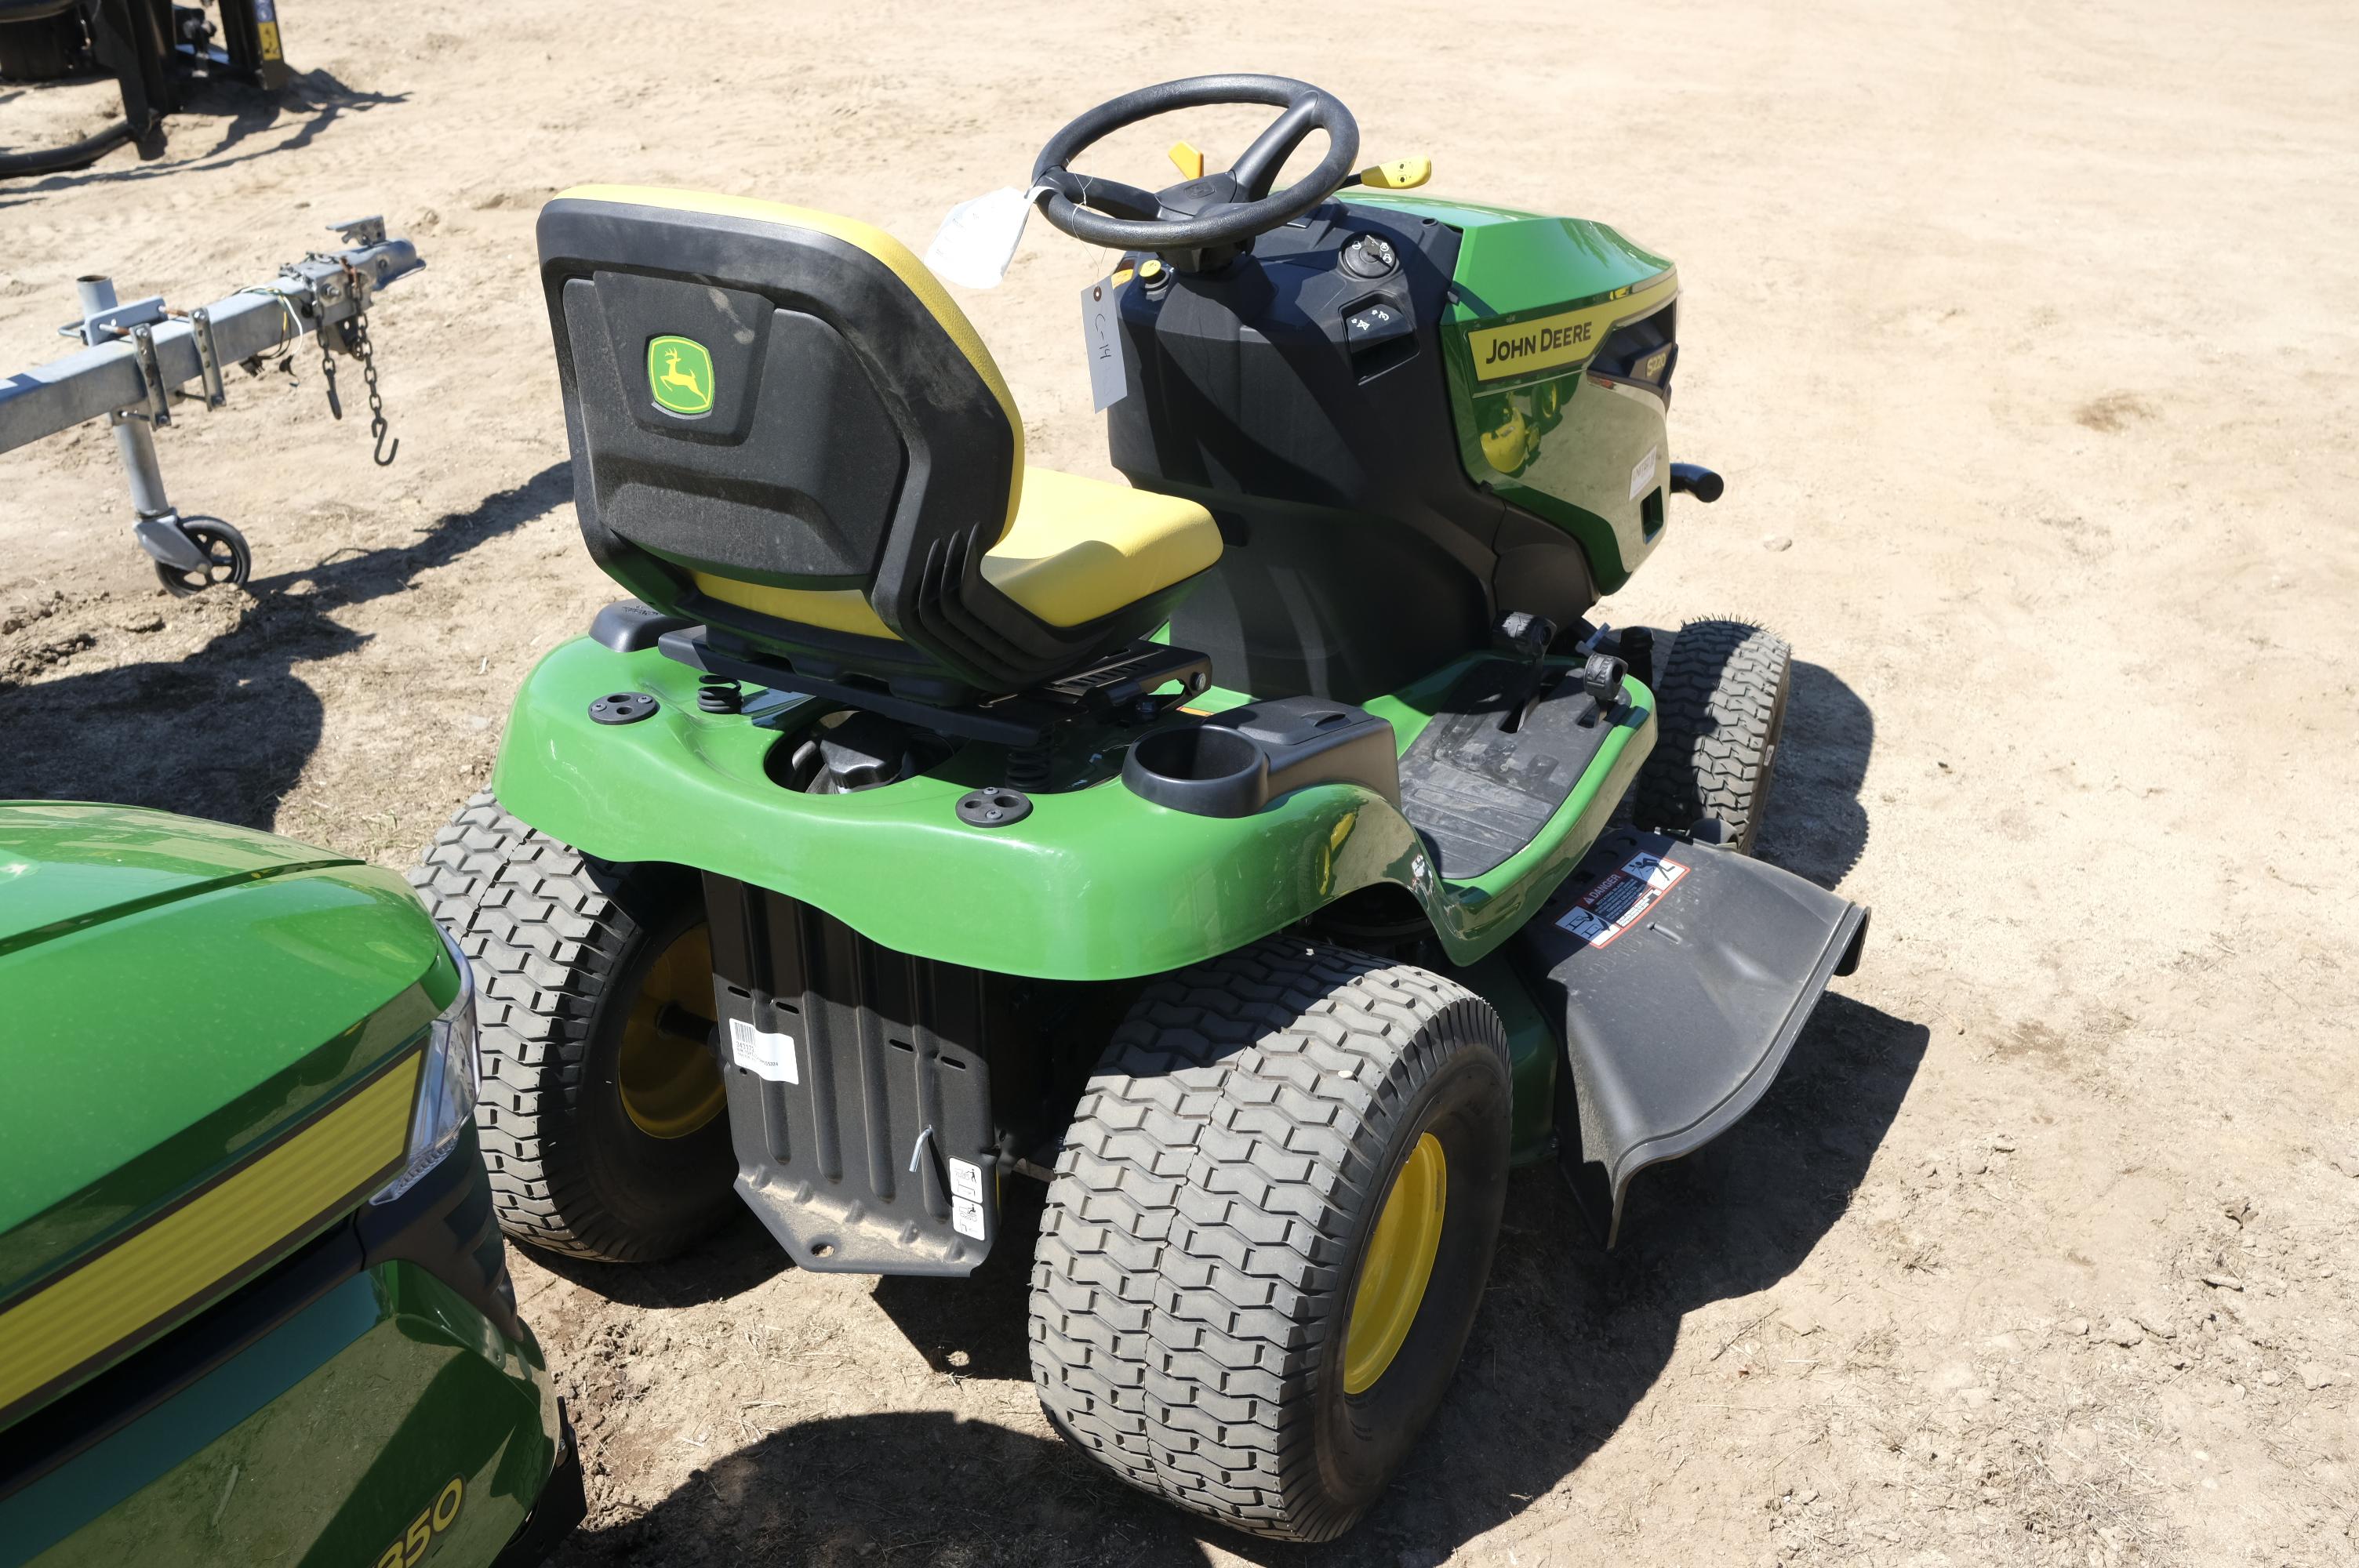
(1620, 898)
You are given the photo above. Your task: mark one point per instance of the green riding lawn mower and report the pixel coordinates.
(1238, 852)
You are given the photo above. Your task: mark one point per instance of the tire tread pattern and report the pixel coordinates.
(541, 927)
(1719, 702)
(1189, 1259)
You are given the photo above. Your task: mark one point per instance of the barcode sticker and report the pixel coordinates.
(1642, 473)
(763, 1053)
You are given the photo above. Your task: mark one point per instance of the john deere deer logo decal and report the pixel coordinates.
(679, 376)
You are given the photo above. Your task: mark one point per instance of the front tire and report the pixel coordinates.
(601, 1115)
(1269, 1230)
(1719, 715)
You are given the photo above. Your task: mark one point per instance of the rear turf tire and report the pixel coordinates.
(1719, 713)
(1204, 1241)
(561, 945)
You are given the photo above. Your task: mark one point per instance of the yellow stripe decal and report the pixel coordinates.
(207, 1241)
(1567, 338)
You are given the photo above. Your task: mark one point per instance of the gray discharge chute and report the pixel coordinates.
(1679, 976)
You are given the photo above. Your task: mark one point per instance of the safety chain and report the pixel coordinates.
(355, 335)
(328, 369)
(358, 336)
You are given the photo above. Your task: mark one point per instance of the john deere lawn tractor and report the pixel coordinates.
(1234, 852)
(254, 1308)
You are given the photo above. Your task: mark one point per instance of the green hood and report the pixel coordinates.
(173, 995)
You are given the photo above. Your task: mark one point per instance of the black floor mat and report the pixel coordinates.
(1478, 794)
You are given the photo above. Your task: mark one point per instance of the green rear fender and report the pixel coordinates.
(1094, 885)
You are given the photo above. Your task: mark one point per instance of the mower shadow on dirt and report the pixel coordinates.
(313, 101)
(939, 1319)
(1571, 1339)
(910, 1487)
(225, 731)
(740, 1257)
(1817, 824)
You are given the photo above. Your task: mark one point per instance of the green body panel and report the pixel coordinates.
(318, 1444)
(1553, 442)
(177, 994)
(1096, 883)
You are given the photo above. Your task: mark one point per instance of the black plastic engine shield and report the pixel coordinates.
(1682, 974)
(859, 1096)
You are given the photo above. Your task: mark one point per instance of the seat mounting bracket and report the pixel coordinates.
(1126, 687)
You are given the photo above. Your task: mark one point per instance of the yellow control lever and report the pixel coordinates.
(1188, 159)
(1401, 174)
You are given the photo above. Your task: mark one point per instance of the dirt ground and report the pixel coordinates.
(2026, 335)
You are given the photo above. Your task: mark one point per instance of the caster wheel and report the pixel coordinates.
(227, 559)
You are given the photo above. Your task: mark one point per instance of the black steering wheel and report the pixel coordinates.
(1217, 210)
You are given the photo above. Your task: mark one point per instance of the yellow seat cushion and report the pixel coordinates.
(1079, 549)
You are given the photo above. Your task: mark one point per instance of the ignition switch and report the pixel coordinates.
(1370, 256)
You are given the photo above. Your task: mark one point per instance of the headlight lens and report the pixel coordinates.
(446, 1087)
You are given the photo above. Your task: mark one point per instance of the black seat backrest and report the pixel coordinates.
(780, 423)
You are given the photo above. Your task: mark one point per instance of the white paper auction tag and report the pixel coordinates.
(977, 241)
(1102, 331)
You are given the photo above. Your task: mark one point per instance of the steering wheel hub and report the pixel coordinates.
(1202, 221)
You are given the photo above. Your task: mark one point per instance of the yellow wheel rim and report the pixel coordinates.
(671, 1085)
(1399, 1262)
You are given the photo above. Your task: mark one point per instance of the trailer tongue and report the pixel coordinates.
(139, 357)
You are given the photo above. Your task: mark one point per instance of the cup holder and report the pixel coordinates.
(1236, 763)
(1205, 768)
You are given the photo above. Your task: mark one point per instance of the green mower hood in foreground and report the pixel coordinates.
(224, 1336)
(177, 992)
